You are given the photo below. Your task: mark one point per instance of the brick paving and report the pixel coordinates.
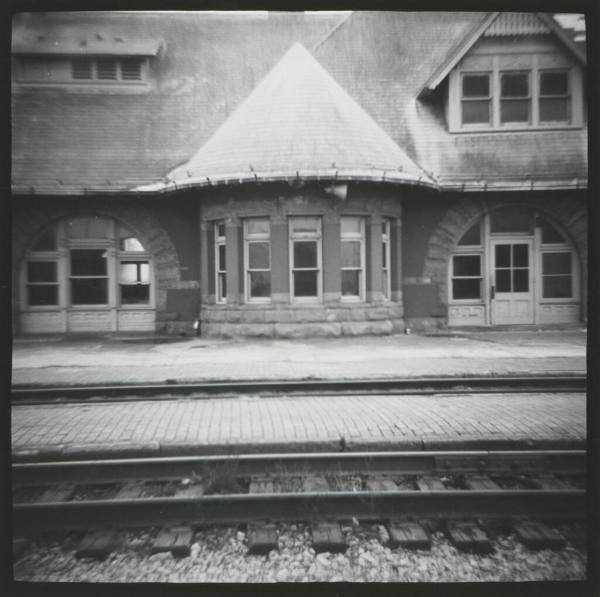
(249, 422)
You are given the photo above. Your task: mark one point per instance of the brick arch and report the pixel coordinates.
(29, 224)
(567, 214)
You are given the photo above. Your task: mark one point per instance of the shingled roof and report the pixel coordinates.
(67, 142)
(298, 122)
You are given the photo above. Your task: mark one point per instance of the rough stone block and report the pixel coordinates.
(308, 315)
(378, 313)
(253, 316)
(359, 328)
(303, 330)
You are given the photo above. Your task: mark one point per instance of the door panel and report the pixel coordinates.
(512, 296)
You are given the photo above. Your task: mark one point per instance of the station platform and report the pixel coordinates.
(249, 423)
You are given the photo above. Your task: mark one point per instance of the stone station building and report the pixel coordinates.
(297, 174)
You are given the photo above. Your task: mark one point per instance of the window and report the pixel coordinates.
(257, 259)
(98, 263)
(385, 259)
(472, 237)
(515, 100)
(220, 263)
(476, 98)
(529, 96)
(554, 97)
(305, 258)
(466, 277)
(106, 70)
(353, 258)
(557, 276)
(511, 220)
(512, 267)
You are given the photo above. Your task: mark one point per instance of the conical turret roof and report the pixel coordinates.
(298, 122)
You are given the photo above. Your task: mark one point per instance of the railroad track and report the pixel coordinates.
(459, 488)
(420, 385)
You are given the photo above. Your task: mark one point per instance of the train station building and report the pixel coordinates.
(290, 174)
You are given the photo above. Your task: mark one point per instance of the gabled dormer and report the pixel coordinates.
(515, 72)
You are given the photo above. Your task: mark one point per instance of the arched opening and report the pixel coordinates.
(87, 273)
(513, 266)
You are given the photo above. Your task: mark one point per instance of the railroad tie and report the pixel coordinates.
(467, 536)
(430, 483)
(262, 538)
(548, 482)
(381, 484)
(315, 484)
(97, 544)
(177, 540)
(410, 535)
(189, 491)
(327, 536)
(261, 485)
(130, 491)
(480, 483)
(59, 493)
(536, 535)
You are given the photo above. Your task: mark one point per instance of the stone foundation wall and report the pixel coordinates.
(299, 322)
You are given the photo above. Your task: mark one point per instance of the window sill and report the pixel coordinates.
(516, 129)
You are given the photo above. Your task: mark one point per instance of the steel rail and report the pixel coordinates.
(417, 385)
(237, 508)
(243, 465)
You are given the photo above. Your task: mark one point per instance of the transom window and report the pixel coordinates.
(257, 259)
(305, 258)
(97, 263)
(353, 257)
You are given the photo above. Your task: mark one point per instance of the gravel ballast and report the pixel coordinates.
(218, 554)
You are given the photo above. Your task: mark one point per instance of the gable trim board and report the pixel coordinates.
(459, 52)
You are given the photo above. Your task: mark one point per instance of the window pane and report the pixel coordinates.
(556, 109)
(47, 242)
(131, 244)
(305, 225)
(305, 254)
(476, 112)
(92, 227)
(107, 69)
(222, 262)
(258, 256)
(223, 285)
(349, 224)
(257, 226)
(89, 291)
(350, 282)
(476, 85)
(550, 234)
(260, 284)
(220, 230)
(305, 283)
(520, 256)
(557, 286)
(82, 69)
(384, 255)
(514, 111)
(138, 294)
(467, 265)
(520, 280)
(351, 254)
(511, 220)
(515, 85)
(502, 255)
(41, 271)
(554, 84)
(88, 262)
(556, 263)
(131, 69)
(466, 288)
(503, 280)
(135, 272)
(42, 295)
(472, 236)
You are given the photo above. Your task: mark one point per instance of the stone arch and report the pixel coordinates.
(567, 213)
(31, 221)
